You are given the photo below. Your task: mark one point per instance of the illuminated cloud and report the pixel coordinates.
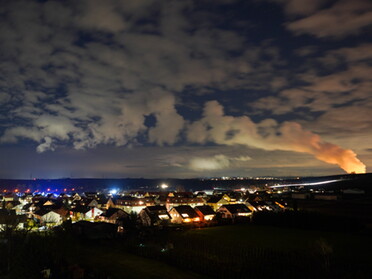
(83, 76)
(342, 19)
(301, 7)
(219, 128)
(338, 104)
(47, 145)
(93, 91)
(216, 162)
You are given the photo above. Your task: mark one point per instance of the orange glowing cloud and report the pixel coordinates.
(219, 128)
(294, 138)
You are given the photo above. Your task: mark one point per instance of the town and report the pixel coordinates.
(42, 211)
(161, 206)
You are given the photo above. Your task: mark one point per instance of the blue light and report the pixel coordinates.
(113, 191)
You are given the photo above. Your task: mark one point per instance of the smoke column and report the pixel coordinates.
(219, 128)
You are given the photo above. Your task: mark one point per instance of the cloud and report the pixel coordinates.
(217, 162)
(334, 99)
(47, 145)
(341, 19)
(216, 127)
(242, 158)
(214, 163)
(103, 16)
(301, 7)
(87, 73)
(323, 92)
(359, 54)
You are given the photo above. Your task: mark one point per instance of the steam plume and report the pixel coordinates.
(219, 128)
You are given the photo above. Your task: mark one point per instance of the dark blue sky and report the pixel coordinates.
(151, 88)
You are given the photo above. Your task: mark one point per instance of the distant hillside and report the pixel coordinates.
(361, 181)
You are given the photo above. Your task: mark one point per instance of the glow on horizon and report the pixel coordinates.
(164, 186)
(306, 184)
(113, 191)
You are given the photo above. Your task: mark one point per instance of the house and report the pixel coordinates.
(10, 204)
(75, 196)
(249, 204)
(231, 197)
(105, 203)
(51, 196)
(63, 211)
(234, 211)
(48, 202)
(85, 213)
(30, 208)
(154, 215)
(48, 217)
(261, 206)
(175, 199)
(183, 214)
(9, 197)
(270, 205)
(63, 196)
(89, 202)
(216, 202)
(77, 212)
(201, 194)
(205, 212)
(18, 208)
(26, 198)
(9, 220)
(275, 205)
(92, 213)
(113, 215)
(90, 195)
(131, 204)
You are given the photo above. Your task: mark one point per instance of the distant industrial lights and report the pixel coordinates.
(306, 184)
(113, 191)
(164, 186)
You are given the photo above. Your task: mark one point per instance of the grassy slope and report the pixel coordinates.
(348, 249)
(281, 238)
(119, 264)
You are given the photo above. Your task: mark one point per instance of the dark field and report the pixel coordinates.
(266, 252)
(248, 251)
(235, 251)
(360, 209)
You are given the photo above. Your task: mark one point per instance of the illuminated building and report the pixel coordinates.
(205, 212)
(184, 214)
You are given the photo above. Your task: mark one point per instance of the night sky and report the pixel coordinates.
(147, 88)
